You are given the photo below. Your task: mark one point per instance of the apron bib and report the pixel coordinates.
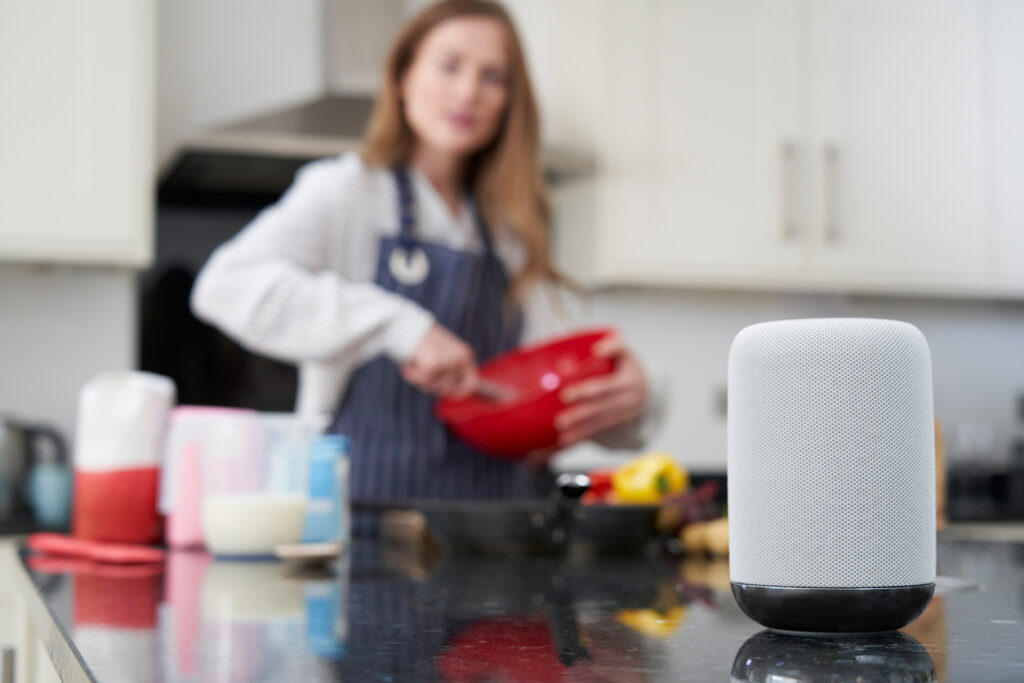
(399, 450)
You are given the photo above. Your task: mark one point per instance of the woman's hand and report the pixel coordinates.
(601, 403)
(442, 364)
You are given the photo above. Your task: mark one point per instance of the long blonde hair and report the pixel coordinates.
(505, 177)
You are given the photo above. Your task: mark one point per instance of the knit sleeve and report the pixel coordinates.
(269, 289)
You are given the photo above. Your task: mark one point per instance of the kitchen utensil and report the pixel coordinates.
(492, 391)
(33, 473)
(532, 377)
(48, 491)
(115, 553)
(255, 489)
(541, 526)
(192, 431)
(122, 419)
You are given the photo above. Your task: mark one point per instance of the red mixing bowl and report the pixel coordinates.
(513, 428)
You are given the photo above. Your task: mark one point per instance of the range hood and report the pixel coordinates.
(252, 162)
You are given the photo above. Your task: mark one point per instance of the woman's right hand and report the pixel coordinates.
(442, 364)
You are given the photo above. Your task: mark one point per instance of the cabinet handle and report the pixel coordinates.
(7, 665)
(831, 158)
(789, 230)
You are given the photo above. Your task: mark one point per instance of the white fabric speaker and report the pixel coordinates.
(831, 461)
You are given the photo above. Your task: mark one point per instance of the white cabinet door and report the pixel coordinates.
(76, 130)
(570, 63)
(704, 152)
(845, 145)
(1007, 31)
(898, 141)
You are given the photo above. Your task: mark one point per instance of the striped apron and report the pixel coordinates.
(399, 450)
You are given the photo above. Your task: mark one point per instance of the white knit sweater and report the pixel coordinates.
(297, 283)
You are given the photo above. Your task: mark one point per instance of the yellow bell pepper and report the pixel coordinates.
(649, 479)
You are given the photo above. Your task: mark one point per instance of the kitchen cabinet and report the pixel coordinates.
(702, 163)
(23, 651)
(76, 131)
(1007, 140)
(897, 140)
(838, 145)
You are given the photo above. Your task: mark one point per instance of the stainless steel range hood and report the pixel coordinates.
(252, 162)
(323, 127)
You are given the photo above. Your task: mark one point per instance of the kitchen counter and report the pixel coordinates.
(384, 614)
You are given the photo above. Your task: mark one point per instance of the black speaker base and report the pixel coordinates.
(833, 610)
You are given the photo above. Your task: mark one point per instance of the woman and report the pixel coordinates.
(389, 275)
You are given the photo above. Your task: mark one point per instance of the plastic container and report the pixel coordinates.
(193, 430)
(255, 483)
(327, 516)
(122, 419)
(513, 428)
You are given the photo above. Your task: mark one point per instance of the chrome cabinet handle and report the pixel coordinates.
(789, 229)
(831, 161)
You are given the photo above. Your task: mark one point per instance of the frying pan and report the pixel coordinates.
(549, 526)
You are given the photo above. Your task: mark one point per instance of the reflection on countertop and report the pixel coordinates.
(385, 613)
(772, 657)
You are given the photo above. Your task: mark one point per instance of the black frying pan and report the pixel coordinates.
(543, 526)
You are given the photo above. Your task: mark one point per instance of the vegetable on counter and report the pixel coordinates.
(706, 537)
(649, 479)
(689, 516)
(600, 490)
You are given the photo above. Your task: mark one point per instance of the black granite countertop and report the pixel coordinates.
(384, 614)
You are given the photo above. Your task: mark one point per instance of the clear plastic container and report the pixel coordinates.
(193, 431)
(255, 483)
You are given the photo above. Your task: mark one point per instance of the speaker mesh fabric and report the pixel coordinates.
(831, 455)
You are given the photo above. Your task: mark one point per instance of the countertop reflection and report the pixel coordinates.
(382, 613)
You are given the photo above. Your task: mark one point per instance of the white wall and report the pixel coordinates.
(977, 352)
(225, 60)
(60, 325)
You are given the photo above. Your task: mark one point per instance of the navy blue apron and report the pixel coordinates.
(399, 450)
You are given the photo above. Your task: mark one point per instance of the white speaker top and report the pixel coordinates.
(831, 454)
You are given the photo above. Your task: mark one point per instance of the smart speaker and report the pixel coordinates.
(831, 461)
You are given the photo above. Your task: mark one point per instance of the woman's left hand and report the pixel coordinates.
(601, 403)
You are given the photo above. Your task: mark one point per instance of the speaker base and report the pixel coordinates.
(832, 610)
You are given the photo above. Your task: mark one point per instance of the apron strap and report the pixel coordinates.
(406, 206)
(407, 213)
